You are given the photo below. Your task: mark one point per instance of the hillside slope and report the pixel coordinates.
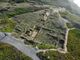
(42, 24)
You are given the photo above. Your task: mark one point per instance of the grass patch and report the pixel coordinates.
(18, 11)
(73, 49)
(45, 46)
(69, 25)
(70, 16)
(53, 55)
(7, 25)
(74, 43)
(8, 52)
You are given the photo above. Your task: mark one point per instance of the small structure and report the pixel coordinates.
(35, 31)
(46, 14)
(31, 33)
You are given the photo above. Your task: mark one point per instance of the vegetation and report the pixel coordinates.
(7, 25)
(53, 55)
(73, 49)
(45, 46)
(8, 52)
(69, 25)
(51, 31)
(74, 43)
(69, 16)
(18, 11)
(3, 0)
